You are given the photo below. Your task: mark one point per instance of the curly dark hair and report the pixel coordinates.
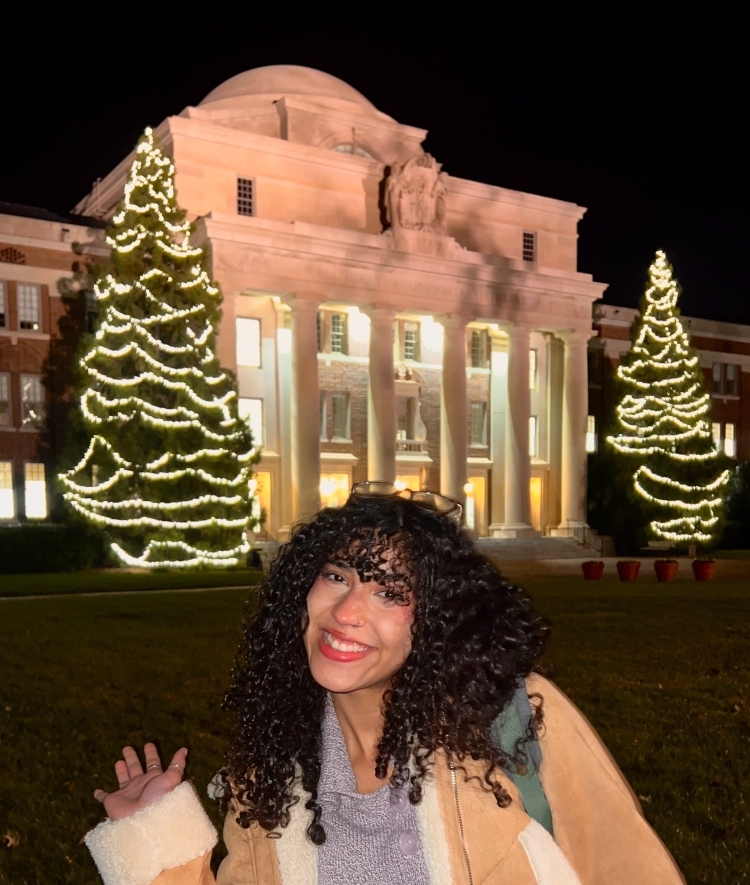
(474, 636)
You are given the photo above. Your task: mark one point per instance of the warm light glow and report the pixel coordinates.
(334, 489)
(400, 485)
(431, 337)
(35, 491)
(468, 488)
(359, 326)
(7, 498)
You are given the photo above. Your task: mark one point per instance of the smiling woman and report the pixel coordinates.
(386, 657)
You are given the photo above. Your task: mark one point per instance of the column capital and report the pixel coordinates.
(518, 330)
(576, 337)
(300, 303)
(380, 312)
(453, 320)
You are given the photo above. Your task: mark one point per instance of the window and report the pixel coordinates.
(10, 255)
(348, 147)
(320, 331)
(338, 333)
(245, 196)
(5, 400)
(32, 401)
(35, 491)
(730, 444)
(248, 342)
(411, 341)
(479, 424)
(323, 415)
(533, 373)
(28, 307)
(730, 379)
(725, 379)
(480, 342)
(252, 411)
(533, 442)
(260, 489)
(716, 433)
(340, 415)
(3, 308)
(591, 440)
(405, 409)
(7, 500)
(529, 246)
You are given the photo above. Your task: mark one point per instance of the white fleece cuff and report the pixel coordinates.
(168, 833)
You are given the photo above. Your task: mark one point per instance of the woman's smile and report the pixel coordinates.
(337, 647)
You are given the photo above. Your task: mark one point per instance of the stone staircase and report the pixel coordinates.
(506, 549)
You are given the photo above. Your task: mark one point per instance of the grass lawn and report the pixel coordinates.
(119, 580)
(663, 672)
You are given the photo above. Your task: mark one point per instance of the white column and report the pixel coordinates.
(305, 409)
(453, 409)
(575, 410)
(517, 459)
(381, 398)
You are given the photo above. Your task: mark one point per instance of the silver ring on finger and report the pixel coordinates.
(153, 765)
(175, 765)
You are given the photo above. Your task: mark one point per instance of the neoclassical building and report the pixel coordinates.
(386, 320)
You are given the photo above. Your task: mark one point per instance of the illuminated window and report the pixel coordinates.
(248, 342)
(533, 442)
(28, 307)
(3, 307)
(407, 481)
(32, 401)
(5, 400)
(529, 246)
(479, 424)
(260, 489)
(730, 379)
(245, 196)
(533, 370)
(252, 411)
(7, 500)
(35, 491)
(730, 444)
(338, 333)
(340, 415)
(334, 489)
(716, 433)
(591, 441)
(479, 349)
(411, 341)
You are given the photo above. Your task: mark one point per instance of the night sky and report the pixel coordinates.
(642, 121)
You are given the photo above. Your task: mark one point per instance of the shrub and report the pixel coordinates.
(50, 547)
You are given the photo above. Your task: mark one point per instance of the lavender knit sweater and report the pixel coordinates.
(370, 839)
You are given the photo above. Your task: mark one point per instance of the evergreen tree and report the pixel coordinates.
(663, 420)
(168, 461)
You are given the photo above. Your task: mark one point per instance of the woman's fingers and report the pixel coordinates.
(100, 795)
(179, 761)
(121, 772)
(153, 761)
(132, 762)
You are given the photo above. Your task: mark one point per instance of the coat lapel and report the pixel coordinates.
(297, 856)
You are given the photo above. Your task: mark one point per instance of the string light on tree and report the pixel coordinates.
(168, 464)
(663, 419)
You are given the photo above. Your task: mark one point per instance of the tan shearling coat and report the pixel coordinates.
(601, 836)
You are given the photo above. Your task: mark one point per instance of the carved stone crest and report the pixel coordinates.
(415, 195)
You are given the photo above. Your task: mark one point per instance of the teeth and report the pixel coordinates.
(342, 646)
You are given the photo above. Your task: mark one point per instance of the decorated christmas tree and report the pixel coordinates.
(663, 420)
(168, 462)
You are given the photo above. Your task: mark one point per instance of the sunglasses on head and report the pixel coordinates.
(432, 501)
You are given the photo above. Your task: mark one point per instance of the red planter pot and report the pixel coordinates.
(666, 569)
(628, 569)
(704, 569)
(592, 569)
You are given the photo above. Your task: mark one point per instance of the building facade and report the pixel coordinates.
(35, 252)
(385, 319)
(724, 350)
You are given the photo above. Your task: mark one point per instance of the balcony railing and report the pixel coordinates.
(415, 446)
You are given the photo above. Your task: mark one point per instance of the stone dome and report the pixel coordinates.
(273, 81)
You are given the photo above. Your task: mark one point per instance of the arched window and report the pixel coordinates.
(348, 147)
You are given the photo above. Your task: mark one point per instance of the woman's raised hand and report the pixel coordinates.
(139, 788)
